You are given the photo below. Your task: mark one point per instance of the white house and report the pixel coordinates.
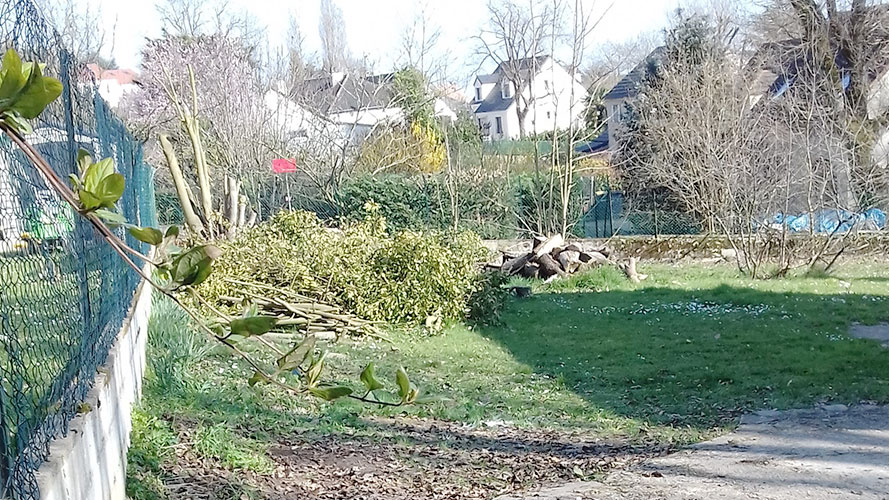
(341, 107)
(615, 101)
(114, 84)
(554, 97)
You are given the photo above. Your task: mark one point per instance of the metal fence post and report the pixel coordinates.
(80, 231)
(5, 452)
(656, 230)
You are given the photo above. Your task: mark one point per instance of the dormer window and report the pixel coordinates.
(506, 89)
(478, 93)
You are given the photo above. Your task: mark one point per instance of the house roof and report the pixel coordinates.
(629, 85)
(524, 66)
(495, 101)
(596, 145)
(121, 76)
(343, 93)
(492, 78)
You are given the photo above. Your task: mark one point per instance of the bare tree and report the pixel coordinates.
(753, 173)
(194, 18)
(80, 25)
(206, 95)
(583, 23)
(298, 66)
(848, 43)
(516, 36)
(613, 60)
(334, 45)
(419, 45)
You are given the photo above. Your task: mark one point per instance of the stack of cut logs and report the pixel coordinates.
(553, 258)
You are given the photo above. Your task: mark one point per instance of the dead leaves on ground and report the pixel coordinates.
(413, 459)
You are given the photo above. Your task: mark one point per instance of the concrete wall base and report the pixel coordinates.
(90, 462)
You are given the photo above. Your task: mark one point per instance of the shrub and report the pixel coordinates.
(404, 277)
(488, 205)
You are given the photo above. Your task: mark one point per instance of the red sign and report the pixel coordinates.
(284, 165)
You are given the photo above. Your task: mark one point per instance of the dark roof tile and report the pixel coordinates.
(630, 84)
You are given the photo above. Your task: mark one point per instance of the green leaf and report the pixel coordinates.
(110, 217)
(13, 80)
(95, 173)
(255, 379)
(110, 189)
(148, 235)
(403, 383)
(297, 356)
(368, 379)
(194, 266)
(39, 91)
(253, 325)
(102, 169)
(84, 160)
(18, 123)
(314, 372)
(172, 232)
(75, 182)
(330, 393)
(88, 200)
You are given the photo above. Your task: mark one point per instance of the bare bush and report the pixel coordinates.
(741, 158)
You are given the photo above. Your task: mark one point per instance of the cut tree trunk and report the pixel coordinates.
(630, 270)
(513, 266)
(191, 218)
(549, 245)
(549, 267)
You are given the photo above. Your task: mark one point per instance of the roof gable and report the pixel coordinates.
(629, 85)
(329, 95)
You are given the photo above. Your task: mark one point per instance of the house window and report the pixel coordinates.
(546, 84)
(478, 93)
(615, 112)
(549, 114)
(499, 125)
(507, 90)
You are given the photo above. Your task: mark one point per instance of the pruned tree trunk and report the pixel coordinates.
(630, 270)
(182, 191)
(233, 195)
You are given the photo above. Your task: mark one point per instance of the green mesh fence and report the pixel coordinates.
(63, 292)
(609, 216)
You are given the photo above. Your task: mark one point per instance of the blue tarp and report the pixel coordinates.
(833, 220)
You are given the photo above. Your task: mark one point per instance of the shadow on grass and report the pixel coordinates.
(699, 358)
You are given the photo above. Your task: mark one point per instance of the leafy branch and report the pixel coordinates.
(94, 193)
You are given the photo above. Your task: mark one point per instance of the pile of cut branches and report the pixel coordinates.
(297, 313)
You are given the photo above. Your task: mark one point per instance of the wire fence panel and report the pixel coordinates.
(63, 293)
(609, 216)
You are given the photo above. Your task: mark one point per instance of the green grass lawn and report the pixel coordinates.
(672, 360)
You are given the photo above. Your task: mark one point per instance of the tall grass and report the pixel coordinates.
(173, 346)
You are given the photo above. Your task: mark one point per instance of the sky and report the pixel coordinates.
(374, 27)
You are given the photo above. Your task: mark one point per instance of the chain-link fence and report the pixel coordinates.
(63, 293)
(608, 216)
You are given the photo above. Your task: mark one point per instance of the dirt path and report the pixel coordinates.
(832, 452)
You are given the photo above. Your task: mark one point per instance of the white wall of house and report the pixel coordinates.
(481, 90)
(508, 121)
(615, 114)
(556, 101)
(113, 91)
(303, 125)
(878, 96)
